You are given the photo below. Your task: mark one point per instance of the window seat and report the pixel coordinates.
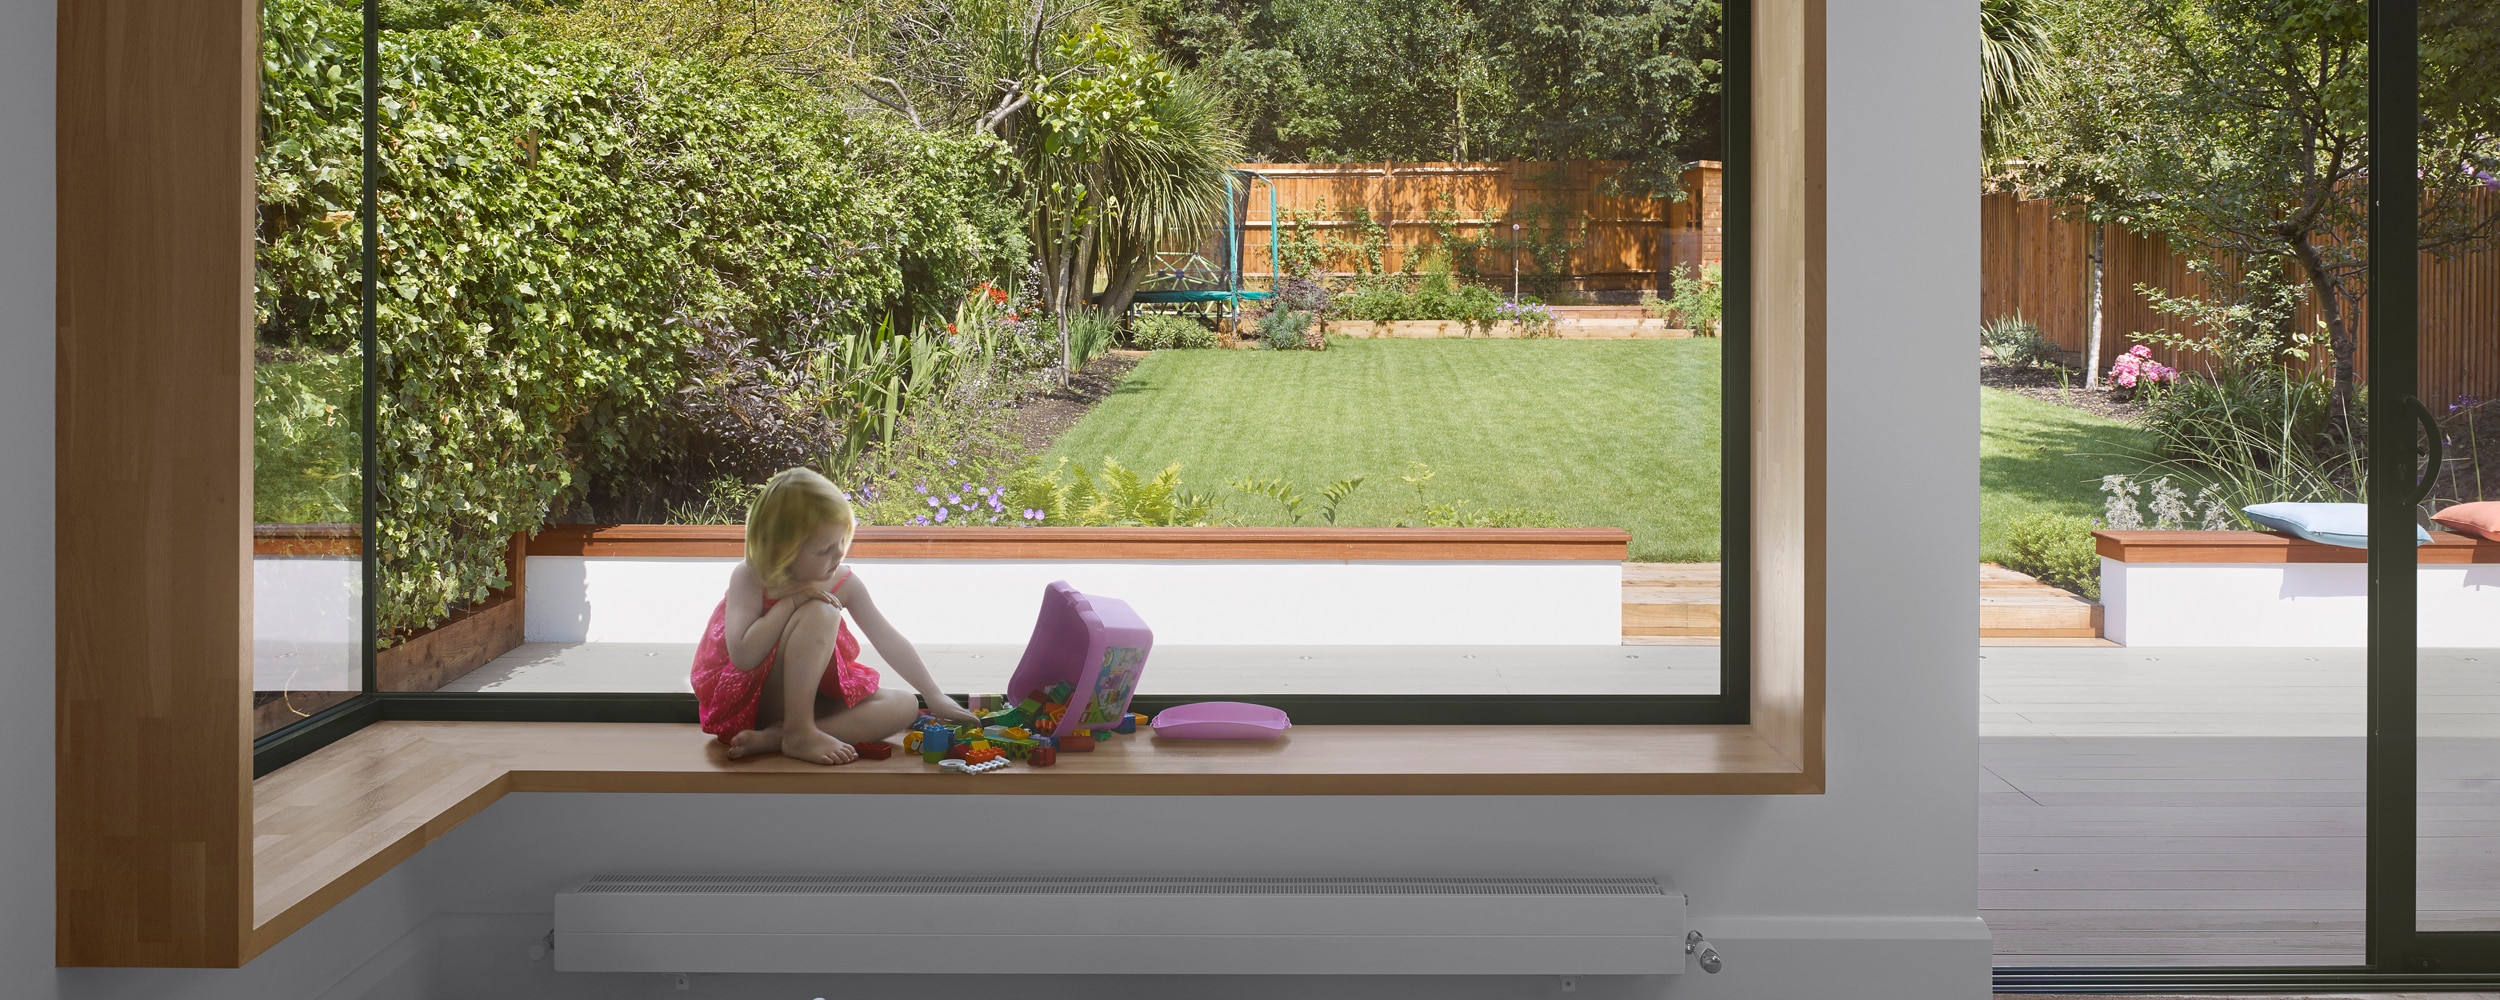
(332, 822)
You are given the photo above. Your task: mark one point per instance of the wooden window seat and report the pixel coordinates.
(327, 825)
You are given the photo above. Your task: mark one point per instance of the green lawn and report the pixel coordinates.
(1595, 432)
(2036, 455)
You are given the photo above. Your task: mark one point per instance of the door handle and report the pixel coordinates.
(2429, 479)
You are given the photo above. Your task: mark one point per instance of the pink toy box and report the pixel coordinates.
(1096, 645)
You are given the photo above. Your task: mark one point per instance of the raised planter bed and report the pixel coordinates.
(2256, 588)
(1569, 329)
(1195, 586)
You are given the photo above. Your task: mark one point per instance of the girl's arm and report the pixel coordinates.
(898, 651)
(753, 631)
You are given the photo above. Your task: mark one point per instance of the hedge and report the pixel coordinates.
(557, 221)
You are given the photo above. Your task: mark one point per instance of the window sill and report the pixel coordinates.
(329, 824)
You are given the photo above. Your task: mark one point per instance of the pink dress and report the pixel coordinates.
(726, 697)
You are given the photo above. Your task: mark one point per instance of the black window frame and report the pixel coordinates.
(1731, 705)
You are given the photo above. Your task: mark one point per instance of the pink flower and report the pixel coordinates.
(2140, 351)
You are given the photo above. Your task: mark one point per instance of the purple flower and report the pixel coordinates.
(950, 461)
(922, 487)
(941, 515)
(994, 504)
(933, 502)
(954, 498)
(965, 486)
(920, 519)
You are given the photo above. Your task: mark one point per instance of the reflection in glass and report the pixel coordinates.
(2457, 845)
(308, 367)
(636, 258)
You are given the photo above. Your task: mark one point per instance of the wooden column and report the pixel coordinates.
(157, 102)
(1789, 378)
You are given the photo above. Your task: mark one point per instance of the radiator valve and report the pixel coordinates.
(1703, 952)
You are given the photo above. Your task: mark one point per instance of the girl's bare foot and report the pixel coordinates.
(755, 741)
(815, 747)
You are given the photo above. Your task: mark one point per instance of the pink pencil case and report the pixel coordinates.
(1221, 720)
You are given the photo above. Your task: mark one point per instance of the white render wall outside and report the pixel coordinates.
(1868, 891)
(1191, 602)
(2276, 605)
(306, 613)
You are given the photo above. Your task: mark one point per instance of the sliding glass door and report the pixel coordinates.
(2434, 794)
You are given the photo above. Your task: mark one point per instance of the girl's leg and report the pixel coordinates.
(881, 715)
(806, 650)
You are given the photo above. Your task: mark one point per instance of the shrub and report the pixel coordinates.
(1436, 296)
(561, 221)
(1283, 329)
(2017, 343)
(1534, 319)
(1091, 331)
(1302, 294)
(2056, 549)
(2137, 369)
(1119, 497)
(1164, 332)
(2259, 435)
(1695, 301)
(1290, 498)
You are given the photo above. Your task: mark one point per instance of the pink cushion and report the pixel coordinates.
(2481, 520)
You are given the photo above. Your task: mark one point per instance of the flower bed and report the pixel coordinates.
(1195, 586)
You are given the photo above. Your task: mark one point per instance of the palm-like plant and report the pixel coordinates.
(1166, 185)
(1118, 153)
(2013, 55)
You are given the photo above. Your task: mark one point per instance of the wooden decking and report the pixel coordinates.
(2205, 806)
(1682, 599)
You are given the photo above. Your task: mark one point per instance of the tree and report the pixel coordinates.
(2239, 128)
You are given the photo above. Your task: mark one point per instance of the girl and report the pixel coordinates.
(784, 607)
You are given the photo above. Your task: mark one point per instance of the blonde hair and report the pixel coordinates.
(792, 506)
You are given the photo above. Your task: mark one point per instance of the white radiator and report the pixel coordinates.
(1220, 926)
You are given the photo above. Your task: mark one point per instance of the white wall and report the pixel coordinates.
(1866, 892)
(1188, 602)
(25, 496)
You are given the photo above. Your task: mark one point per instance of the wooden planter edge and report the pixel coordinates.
(1226, 543)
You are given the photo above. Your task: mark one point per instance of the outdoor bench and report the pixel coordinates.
(2259, 588)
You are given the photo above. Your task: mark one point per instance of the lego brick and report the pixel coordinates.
(1042, 757)
(911, 742)
(1079, 743)
(874, 750)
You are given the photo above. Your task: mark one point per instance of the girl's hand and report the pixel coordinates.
(947, 709)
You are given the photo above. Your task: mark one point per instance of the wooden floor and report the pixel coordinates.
(2205, 807)
(1682, 599)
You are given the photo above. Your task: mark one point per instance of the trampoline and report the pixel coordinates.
(1208, 274)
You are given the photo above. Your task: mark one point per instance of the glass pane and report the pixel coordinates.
(2188, 788)
(308, 372)
(632, 268)
(2458, 785)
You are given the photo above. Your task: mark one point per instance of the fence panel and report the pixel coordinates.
(2033, 262)
(1627, 240)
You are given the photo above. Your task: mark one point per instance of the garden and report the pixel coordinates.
(2174, 320)
(630, 257)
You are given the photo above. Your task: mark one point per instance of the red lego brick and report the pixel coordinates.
(874, 750)
(1079, 743)
(1042, 757)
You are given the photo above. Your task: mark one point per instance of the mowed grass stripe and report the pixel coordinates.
(1599, 433)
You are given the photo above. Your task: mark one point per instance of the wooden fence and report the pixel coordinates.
(1627, 242)
(2032, 262)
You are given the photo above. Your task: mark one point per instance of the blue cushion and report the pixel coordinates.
(2345, 524)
